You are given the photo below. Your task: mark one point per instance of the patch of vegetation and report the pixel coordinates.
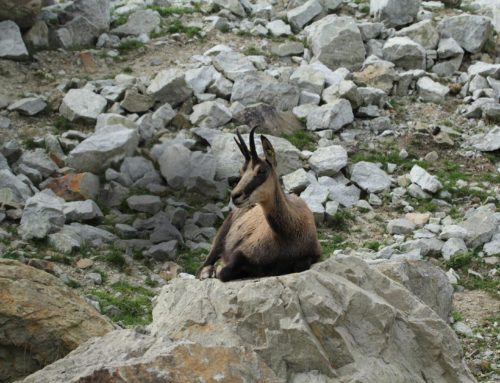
(373, 245)
(61, 259)
(225, 28)
(29, 143)
(133, 303)
(191, 260)
(253, 51)
(150, 282)
(460, 260)
(169, 11)
(62, 124)
(329, 243)
(120, 20)
(456, 316)
(72, 283)
(341, 221)
(115, 258)
(302, 139)
(423, 205)
(127, 70)
(176, 26)
(129, 45)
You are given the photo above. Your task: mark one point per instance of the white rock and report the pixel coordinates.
(296, 181)
(370, 177)
(300, 16)
(329, 160)
(431, 91)
(394, 13)
(423, 179)
(453, 246)
(405, 53)
(400, 226)
(82, 104)
(279, 28)
(42, 215)
(336, 42)
(78, 211)
(11, 42)
(332, 116)
(233, 65)
(210, 114)
(170, 86)
(470, 31)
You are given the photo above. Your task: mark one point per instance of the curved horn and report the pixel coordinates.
(253, 152)
(241, 144)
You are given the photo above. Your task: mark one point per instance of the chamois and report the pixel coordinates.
(269, 232)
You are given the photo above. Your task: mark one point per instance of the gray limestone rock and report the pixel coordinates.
(139, 22)
(431, 91)
(43, 214)
(452, 247)
(162, 251)
(210, 114)
(78, 211)
(102, 148)
(400, 226)
(135, 102)
(300, 16)
(405, 53)
(329, 160)
(82, 104)
(470, 31)
(169, 86)
(369, 177)
(424, 33)
(395, 13)
(425, 180)
(481, 224)
(336, 42)
(333, 116)
(30, 106)
(296, 181)
(233, 65)
(260, 87)
(11, 42)
(145, 203)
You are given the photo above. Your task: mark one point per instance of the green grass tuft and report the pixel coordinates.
(302, 139)
(129, 45)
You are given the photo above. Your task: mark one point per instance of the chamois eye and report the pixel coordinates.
(261, 170)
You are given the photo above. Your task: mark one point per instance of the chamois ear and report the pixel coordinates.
(268, 151)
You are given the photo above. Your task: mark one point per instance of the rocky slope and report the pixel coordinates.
(116, 139)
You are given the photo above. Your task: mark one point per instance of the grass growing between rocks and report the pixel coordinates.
(127, 304)
(330, 242)
(253, 51)
(191, 260)
(169, 11)
(128, 45)
(474, 273)
(302, 139)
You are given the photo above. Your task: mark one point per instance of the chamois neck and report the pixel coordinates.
(278, 213)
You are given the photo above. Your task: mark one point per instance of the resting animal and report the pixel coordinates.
(269, 232)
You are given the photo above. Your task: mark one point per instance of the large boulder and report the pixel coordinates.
(260, 87)
(11, 42)
(423, 32)
(23, 12)
(42, 320)
(340, 321)
(42, 215)
(82, 104)
(470, 31)
(405, 53)
(103, 148)
(336, 42)
(395, 13)
(139, 22)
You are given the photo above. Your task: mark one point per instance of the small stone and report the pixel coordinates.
(370, 177)
(30, 106)
(134, 102)
(79, 211)
(162, 251)
(145, 203)
(463, 329)
(296, 181)
(84, 263)
(452, 247)
(431, 91)
(329, 160)
(400, 226)
(419, 219)
(82, 104)
(426, 181)
(11, 42)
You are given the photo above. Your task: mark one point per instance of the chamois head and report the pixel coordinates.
(258, 174)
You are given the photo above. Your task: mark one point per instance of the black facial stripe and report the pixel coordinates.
(256, 181)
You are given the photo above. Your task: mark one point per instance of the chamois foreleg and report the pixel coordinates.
(236, 268)
(217, 248)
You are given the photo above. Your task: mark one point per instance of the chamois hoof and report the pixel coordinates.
(206, 272)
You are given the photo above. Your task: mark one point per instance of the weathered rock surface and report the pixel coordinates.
(333, 116)
(328, 160)
(470, 31)
(82, 104)
(42, 215)
(142, 21)
(97, 152)
(42, 319)
(395, 13)
(11, 42)
(405, 53)
(336, 42)
(424, 280)
(330, 323)
(370, 177)
(169, 86)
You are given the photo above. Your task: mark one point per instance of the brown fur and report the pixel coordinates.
(270, 233)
